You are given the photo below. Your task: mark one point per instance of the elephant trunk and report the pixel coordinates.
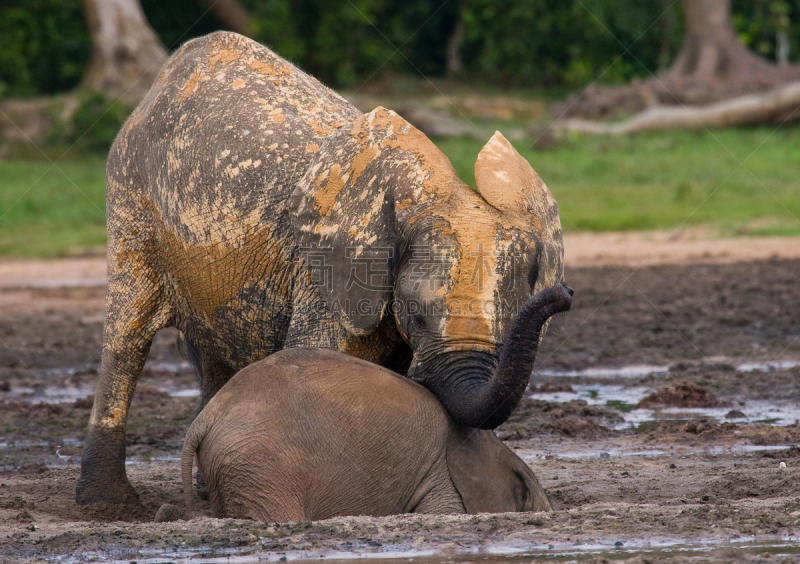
(476, 391)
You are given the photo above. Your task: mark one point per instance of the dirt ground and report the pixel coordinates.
(697, 479)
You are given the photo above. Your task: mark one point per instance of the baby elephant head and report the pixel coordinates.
(489, 477)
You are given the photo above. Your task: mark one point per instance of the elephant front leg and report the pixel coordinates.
(103, 477)
(136, 310)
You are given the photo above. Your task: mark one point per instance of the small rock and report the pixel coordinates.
(604, 456)
(681, 394)
(169, 512)
(84, 403)
(782, 465)
(32, 468)
(672, 466)
(508, 435)
(698, 427)
(619, 544)
(552, 386)
(735, 414)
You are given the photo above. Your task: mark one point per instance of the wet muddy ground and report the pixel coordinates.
(658, 418)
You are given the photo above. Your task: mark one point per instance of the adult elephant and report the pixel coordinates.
(255, 209)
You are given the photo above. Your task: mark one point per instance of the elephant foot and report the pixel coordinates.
(90, 491)
(103, 478)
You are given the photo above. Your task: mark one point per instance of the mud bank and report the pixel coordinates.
(636, 503)
(667, 481)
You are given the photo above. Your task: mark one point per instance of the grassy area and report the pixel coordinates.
(50, 210)
(735, 181)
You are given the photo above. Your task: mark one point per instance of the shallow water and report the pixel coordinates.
(59, 392)
(511, 553)
(59, 388)
(573, 453)
(767, 366)
(633, 371)
(645, 370)
(625, 398)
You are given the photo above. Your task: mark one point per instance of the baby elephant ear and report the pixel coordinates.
(489, 477)
(506, 180)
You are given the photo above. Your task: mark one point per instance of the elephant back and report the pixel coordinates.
(315, 434)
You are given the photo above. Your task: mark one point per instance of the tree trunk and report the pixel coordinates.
(127, 55)
(455, 64)
(713, 65)
(232, 15)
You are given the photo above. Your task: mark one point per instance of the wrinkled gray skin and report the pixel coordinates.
(314, 434)
(256, 210)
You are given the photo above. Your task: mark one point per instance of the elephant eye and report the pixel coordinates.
(416, 321)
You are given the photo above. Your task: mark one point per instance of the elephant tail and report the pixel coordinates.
(194, 437)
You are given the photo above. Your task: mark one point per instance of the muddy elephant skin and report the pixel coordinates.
(256, 210)
(314, 433)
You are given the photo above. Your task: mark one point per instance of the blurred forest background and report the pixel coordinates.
(458, 69)
(545, 44)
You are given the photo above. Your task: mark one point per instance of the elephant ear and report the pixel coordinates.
(508, 183)
(362, 185)
(489, 477)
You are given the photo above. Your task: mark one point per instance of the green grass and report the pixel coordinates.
(736, 181)
(663, 181)
(51, 211)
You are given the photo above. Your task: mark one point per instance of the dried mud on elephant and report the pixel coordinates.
(256, 210)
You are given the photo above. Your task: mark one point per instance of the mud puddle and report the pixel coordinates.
(583, 452)
(67, 385)
(566, 552)
(500, 553)
(638, 371)
(635, 371)
(625, 398)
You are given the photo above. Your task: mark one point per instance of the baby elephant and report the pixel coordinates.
(312, 434)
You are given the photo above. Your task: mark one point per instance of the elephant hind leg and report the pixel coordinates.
(438, 494)
(213, 374)
(242, 499)
(136, 308)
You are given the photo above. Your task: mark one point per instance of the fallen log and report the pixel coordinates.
(776, 106)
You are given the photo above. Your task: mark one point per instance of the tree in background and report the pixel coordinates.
(126, 53)
(712, 65)
(45, 45)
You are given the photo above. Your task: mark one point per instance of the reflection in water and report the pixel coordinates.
(556, 551)
(624, 399)
(633, 371)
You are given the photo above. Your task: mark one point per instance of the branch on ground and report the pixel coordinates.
(776, 106)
